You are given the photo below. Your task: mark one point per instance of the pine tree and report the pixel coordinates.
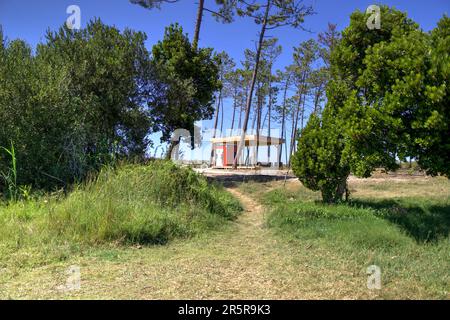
(270, 15)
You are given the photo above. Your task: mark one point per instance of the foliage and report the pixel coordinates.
(328, 40)
(271, 15)
(76, 104)
(383, 105)
(395, 107)
(149, 204)
(224, 14)
(187, 78)
(431, 127)
(318, 162)
(282, 13)
(150, 4)
(225, 65)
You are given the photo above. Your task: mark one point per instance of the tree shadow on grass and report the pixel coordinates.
(425, 222)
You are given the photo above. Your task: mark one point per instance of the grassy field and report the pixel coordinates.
(399, 224)
(284, 245)
(132, 205)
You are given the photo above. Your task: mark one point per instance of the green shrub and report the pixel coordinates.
(318, 160)
(133, 204)
(73, 103)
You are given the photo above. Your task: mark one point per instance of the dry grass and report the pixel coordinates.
(420, 187)
(381, 187)
(400, 224)
(243, 260)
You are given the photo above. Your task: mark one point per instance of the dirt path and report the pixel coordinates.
(244, 261)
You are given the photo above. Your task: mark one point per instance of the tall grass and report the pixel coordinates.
(364, 233)
(10, 176)
(149, 204)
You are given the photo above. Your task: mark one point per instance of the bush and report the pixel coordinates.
(317, 162)
(133, 204)
(74, 103)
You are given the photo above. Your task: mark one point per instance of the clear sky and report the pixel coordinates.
(28, 20)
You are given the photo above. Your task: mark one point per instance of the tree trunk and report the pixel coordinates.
(317, 96)
(252, 86)
(234, 112)
(294, 128)
(288, 161)
(255, 115)
(258, 127)
(221, 117)
(268, 134)
(334, 195)
(216, 115)
(240, 118)
(341, 190)
(301, 104)
(286, 153)
(265, 119)
(302, 119)
(172, 146)
(247, 88)
(216, 121)
(254, 121)
(283, 121)
(269, 115)
(198, 23)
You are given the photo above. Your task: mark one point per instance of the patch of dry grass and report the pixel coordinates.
(385, 188)
(399, 224)
(243, 260)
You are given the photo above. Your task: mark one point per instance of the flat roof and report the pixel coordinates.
(250, 140)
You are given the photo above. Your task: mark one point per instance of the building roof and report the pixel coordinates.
(250, 140)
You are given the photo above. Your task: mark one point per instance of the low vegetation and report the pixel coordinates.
(134, 204)
(387, 223)
(310, 251)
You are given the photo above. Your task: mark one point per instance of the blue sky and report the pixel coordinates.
(28, 20)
